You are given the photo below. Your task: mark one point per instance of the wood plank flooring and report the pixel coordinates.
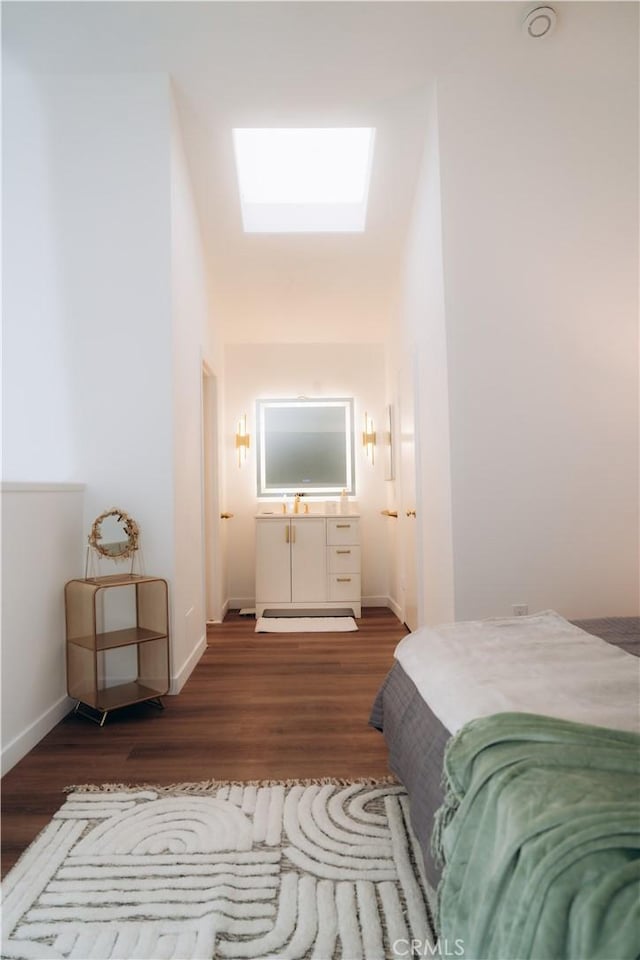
(256, 706)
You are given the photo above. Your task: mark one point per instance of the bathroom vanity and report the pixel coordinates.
(308, 560)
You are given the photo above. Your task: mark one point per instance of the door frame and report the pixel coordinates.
(212, 546)
(410, 544)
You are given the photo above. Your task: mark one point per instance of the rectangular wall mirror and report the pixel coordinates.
(305, 446)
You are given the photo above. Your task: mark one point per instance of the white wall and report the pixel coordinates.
(106, 323)
(255, 371)
(39, 444)
(420, 341)
(539, 161)
(100, 258)
(42, 527)
(86, 322)
(194, 343)
(110, 165)
(539, 250)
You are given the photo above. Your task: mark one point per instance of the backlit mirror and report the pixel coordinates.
(305, 446)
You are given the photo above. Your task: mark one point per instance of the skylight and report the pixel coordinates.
(311, 180)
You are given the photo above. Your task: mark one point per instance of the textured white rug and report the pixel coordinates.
(295, 870)
(305, 624)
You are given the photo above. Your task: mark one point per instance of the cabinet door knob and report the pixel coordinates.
(344, 579)
(286, 534)
(343, 551)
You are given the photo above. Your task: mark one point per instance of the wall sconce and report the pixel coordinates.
(369, 438)
(243, 439)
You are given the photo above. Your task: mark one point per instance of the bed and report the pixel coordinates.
(416, 733)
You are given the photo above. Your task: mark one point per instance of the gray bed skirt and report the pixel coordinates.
(416, 738)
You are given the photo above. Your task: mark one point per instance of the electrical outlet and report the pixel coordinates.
(520, 609)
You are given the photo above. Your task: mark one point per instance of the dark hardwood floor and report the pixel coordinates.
(256, 706)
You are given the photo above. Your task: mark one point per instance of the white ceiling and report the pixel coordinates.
(277, 64)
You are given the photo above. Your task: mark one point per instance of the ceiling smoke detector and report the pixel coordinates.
(539, 22)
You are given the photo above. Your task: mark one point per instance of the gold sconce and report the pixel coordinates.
(243, 439)
(369, 438)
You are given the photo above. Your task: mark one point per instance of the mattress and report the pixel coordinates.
(416, 738)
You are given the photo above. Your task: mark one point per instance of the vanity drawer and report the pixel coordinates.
(344, 586)
(342, 530)
(345, 559)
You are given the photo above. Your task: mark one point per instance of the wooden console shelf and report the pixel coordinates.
(88, 647)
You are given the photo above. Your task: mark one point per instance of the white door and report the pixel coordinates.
(308, 561)
(408, 511)
(273, 561)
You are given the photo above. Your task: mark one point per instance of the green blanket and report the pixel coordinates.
(540, 837)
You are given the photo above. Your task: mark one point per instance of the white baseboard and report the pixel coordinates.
(388, 602)
(223, 613)
(19, 747)
(178, 682)
(395, 608)
(375, 601)
(238, 603)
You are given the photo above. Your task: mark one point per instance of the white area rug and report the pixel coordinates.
(295, 870)
(305, 624)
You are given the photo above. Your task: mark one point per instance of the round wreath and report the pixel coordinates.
(130, 528)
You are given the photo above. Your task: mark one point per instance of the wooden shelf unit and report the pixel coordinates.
(87, 647)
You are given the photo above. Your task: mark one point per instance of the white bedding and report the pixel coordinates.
(535, 664)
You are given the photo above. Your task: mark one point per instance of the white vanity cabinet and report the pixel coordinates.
(307, 561)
